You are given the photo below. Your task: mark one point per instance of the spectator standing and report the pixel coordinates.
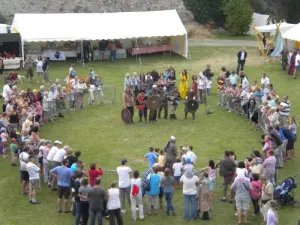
(267, 191)
(269, 166)
(272, 216)
(285, 108)
(23, 157)
(177, 169)
(153, 193)
(241, 56)
(136, 196)
(94, 172)
(123, 172)
(96, 196)
(65, 176)
(255, 193)
(190, 182)
(167, 184)
(29, 65)
(114, 204)
(46, 67)
(34, 179)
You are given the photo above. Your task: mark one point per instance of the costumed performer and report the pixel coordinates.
(190, 96)
(153, 113)
(183, 85)
(128, 101)
(173, 100)
(141, 104)
(164, 102)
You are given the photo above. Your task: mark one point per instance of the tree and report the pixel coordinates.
(238, 14)
(292, 11)
(206, 11)
(2, 18)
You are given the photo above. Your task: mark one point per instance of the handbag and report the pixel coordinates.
(147, 186)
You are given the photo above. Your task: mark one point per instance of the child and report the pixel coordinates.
(208, 87)
(177, 167)
(3, 136)
(161, 159)
(293, 128)
(94, 172)
(255, 193)
(72, 98)
(91, 93)
(188, 167)
(13, 151)
(84, 203)
(151, 156)
(136, 196)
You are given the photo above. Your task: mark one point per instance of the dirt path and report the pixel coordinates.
(217, 42)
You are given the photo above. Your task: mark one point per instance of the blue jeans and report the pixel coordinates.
(113, 55)
(77, 212)
(190, 202)
(94, 215)
(168, 197)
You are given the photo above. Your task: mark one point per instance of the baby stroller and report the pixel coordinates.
(284, 194)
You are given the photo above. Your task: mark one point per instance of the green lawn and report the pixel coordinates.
(100, 134)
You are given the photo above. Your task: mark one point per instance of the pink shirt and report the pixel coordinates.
(3, 137)
(212, 173)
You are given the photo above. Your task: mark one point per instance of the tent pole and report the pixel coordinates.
(138, 57)
(82, 55)
(22, 52)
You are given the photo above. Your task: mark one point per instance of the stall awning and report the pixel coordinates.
(293, 33)
(273, 27)
(97, 26)
(10, 38)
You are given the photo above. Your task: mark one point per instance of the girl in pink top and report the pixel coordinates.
(211, 170)
(255, 193)
(3, 142)
(38, 111)
(267, 146)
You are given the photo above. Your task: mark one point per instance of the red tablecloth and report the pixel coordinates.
(151, 49)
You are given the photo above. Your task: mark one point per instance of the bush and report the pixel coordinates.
(238, 14)
(206, 11)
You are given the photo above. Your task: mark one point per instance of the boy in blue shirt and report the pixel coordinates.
(151, 156)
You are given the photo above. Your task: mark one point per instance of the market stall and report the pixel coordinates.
(10, 50)
(77, 27)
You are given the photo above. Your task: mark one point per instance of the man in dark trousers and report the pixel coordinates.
(242, 56)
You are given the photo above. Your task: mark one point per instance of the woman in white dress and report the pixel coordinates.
(39, 66)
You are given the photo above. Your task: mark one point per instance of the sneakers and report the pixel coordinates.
(123, 211)
(223, 199)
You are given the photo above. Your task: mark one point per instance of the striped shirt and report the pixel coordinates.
(286, 108)
(146, 174)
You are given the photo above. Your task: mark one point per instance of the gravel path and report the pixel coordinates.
(217, 42)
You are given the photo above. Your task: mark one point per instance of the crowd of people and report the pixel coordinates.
(250, 179)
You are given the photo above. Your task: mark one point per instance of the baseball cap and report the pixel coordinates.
(57, 142)
(124, 161)
(173, 138)
(47, 141)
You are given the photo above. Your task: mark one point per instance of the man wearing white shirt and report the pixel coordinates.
(60, 154)
(51, 163)
(23, 157)
(265, 80)
(123, 172)
(7, 91)
(202, 83)
(190, 154)
(245, 83)
(297, 64)
(34, 179)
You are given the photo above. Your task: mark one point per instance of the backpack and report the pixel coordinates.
(135, 190)
(255, 193)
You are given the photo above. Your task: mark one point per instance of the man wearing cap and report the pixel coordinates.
(171, 153)
(123, 172)
(51, 162)
(34, 179)
(65, 176)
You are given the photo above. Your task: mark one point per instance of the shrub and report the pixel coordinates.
(238, 14)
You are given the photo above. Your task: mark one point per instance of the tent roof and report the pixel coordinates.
(293, 33)
(272, 27)
(10, 37)
(96, 26)
(259, 19)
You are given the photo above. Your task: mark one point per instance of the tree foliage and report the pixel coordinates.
(206, 11)
(292, 11)
(238, 14)
(2, 18)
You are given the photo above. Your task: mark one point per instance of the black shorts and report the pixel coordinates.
(24, 175)
(63, 192)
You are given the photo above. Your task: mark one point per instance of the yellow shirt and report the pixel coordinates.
(161, 160)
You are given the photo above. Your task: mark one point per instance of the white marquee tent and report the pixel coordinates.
(293, 33)
(107, 26)
(258, 20)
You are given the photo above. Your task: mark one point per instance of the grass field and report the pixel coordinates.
(100, 134)
(228, 36)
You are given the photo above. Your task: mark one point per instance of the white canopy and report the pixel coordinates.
(258, 20)
(96, 26)
(293, 33)
(272, 27)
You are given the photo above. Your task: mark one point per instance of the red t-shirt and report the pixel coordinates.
(94, 174)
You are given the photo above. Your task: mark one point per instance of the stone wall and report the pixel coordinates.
(9, 8)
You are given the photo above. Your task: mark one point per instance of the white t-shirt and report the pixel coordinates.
(208, 84)
(265, 81)
(113, 199)
(59, 155)
(271, 218)
(52, 153)
(33, 171)
(192, 156)
(189, 185)
(6, 91)
(297, 59)
(23, 157)
(177, 169)
(124, 179)
(245, 85)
